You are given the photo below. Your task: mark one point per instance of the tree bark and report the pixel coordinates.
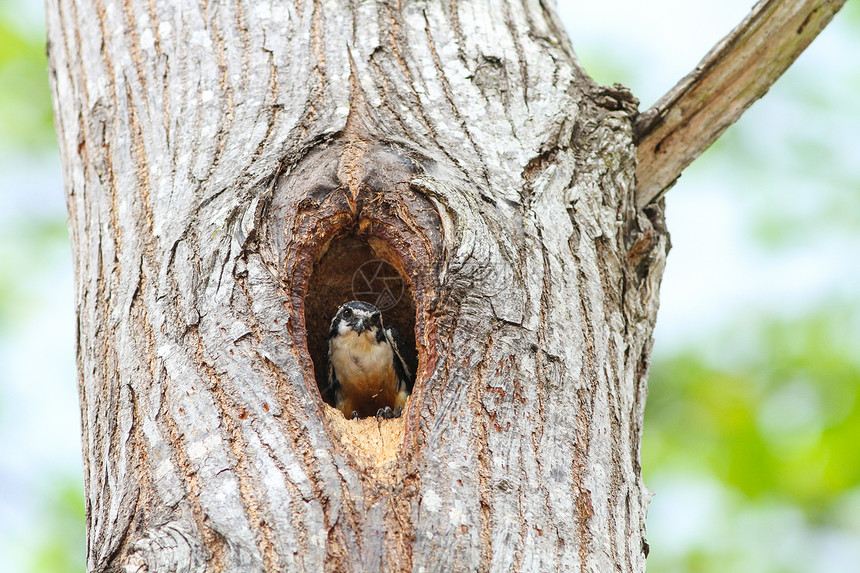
(226, 164)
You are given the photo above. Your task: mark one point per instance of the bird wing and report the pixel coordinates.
(333, 390)
(398, 344)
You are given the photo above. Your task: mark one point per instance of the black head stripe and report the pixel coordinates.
(359, 306)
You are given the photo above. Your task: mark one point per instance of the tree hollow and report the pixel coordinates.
(350, 268)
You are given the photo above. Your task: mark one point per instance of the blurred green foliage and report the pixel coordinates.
(808, 187)
(54, 541)
(760, 425)
(25, 102)
(60, 540)
(27, 248)
(770, 408)
(752, 434)
(30, 251)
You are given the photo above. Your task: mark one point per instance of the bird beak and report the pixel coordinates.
(359, 326)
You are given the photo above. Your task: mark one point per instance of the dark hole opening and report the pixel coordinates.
(352, 269)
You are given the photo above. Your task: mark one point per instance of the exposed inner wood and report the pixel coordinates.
(372, 443)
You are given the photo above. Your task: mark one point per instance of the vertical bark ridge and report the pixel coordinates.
(407, 103)
(134, 43)
(194, 529)
(449, 95)
(582, 494)
(249, 480)
(225, 120)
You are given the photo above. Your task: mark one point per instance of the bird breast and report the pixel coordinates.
(362, 364)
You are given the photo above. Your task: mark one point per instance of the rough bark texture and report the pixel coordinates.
(216, 152)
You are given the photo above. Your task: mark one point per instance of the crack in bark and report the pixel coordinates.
(449, 97)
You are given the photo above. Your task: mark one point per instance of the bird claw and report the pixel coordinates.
(354, 415)
(387, 413)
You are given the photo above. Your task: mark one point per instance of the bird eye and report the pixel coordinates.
(347, 312)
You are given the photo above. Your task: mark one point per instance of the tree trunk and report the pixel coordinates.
(230, 166)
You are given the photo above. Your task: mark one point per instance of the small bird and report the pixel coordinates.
(367, 370)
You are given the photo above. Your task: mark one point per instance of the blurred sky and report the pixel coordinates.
(745, 223)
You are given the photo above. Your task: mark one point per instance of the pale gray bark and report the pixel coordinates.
(214, 150)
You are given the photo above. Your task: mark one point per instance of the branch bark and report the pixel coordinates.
(733, 75)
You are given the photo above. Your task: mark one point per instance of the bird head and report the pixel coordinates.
(357, 316)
